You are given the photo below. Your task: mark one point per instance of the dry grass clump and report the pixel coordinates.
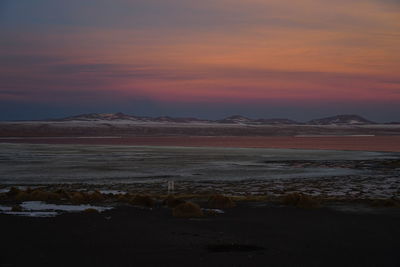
(143, 200)
(34, 195)
(16, 208)
(172, 201)
(62, 193)
(125, 198)
(40, 195)
(187, 210)
(22, 196)
(77, 198)
(96, 196)
(300, 200)
(13, 192)
(220, 202)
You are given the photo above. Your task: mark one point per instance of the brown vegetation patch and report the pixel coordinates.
(125, 198)
(96, 196)
(77, 197)
(32, 195)
(62, 194)
(13, 192)
(143, 200)
(187, 210)
(172, 201)
(44, 196)
(220, 202)
(22, 196)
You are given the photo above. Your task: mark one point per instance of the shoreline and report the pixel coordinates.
(344, 143)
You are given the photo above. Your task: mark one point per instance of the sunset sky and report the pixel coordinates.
(212, 58)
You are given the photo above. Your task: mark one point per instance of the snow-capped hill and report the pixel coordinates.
(236, 119)
(109, 117)
(102, 117)
(178, 119)
(341, 119)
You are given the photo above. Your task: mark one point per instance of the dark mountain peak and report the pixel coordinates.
(350, 119)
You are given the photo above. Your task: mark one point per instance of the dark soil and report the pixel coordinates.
(244, 236)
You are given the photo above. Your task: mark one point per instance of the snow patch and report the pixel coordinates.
(34, 213)
(42, 206)
(218, 211)
(42, 209)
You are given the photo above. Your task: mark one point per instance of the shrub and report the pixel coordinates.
(53, 196)
(28, 190)
(62, 193)
(143, 200)
(77, 197)
(124, 197)
(220, 202)
(38, 195)
(300, 200)
(44, 196)
(22, 196)
(172, 202)
(187, 210)
(13, 192)
(96, 196)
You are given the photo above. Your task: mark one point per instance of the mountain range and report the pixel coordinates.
(347, 119)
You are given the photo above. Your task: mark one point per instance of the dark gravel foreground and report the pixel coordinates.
(247, 235)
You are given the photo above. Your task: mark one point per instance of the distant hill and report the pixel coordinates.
(178, 120)
(102, 116)
(277, 121)
(341, 119)
(125, 117)
(235, 119)
(238, 119)
(120, 124)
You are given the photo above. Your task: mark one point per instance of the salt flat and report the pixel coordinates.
(236, 171)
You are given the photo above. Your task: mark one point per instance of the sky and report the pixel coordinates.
(300, 59)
